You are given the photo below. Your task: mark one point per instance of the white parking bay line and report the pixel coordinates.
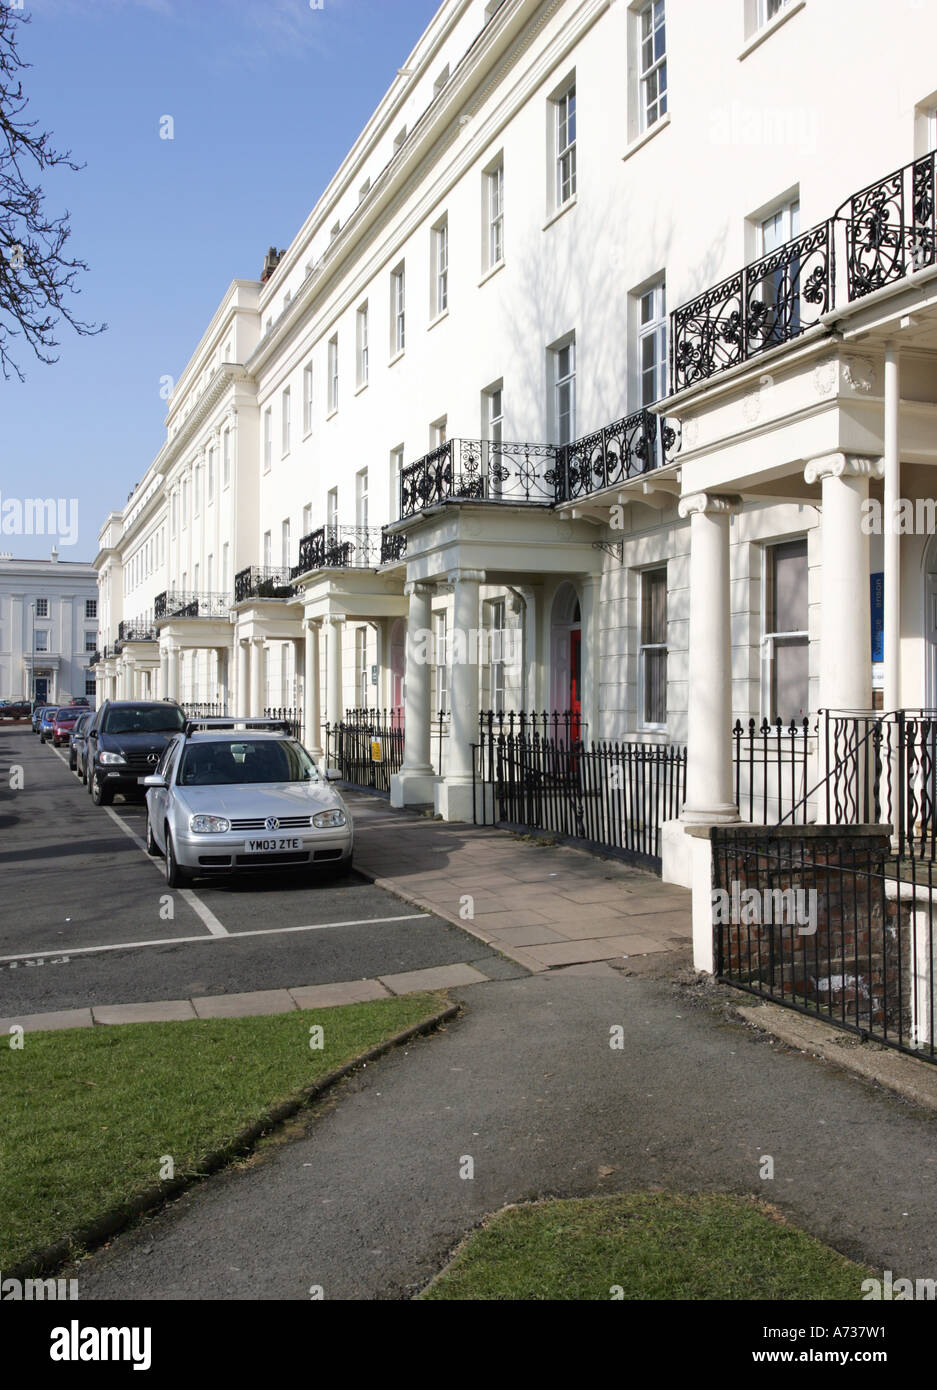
(204, 940)
(196, 904)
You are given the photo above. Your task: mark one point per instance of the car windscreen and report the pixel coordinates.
(144, 719)
(224, 764)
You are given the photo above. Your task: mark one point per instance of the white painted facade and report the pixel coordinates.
(775, 114)
(48, 629)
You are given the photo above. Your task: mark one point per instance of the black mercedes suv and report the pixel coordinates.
(125, 742)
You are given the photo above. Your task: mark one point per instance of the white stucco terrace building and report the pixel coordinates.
(48, 629)
(510, 376)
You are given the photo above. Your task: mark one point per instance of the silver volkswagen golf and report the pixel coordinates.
(230, 795)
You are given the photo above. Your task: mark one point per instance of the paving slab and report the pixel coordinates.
(326, 996)
(437, 977)
(41, 1023)
(158, 1011)
(264, 1001)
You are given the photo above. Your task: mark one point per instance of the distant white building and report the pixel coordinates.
(48, 629)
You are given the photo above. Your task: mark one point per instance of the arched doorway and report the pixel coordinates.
(566, 655)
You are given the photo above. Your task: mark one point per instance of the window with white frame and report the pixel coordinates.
(565, 145)
(285, 421)
(653, 80)
(331, 510)
(210, 475)
(42, 608)
(361, 500)
(440, 285)
(564, 391)
(268, 550)
(361, 666)
(42, 640)
(777, 289)
(91, 641)
(494, 216)
(307, 398)
(197, 490)
(91, 608)
(362, 344)
(785, 640)
(767, 9)
(438, 432)
(285, 544)
(226, 458)
(440, 671)
(225, 566)
(652, 670)
(492, 431)
(210, 574)
(268, 439)
(307, 518)
(652, 342)
(396, 468)
(185, 503)
(398, 309)
(333, 373)
(90, 685)
(496, 624)
(174, 512)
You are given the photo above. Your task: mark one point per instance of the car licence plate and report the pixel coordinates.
(271, 846)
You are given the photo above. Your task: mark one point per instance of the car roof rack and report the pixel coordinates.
(217, 724)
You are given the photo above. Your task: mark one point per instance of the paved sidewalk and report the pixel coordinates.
(541, 905)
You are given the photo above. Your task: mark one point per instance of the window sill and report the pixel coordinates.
(396, 357)
(332, 413)
(646, 135)
(489, 274)
(438, 319)
(771, 27)
(363, 387)
(561, 212)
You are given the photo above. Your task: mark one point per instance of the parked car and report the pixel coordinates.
(243, 795)
(63, 722)
(81, 700)
(46, 720)
(15, 709)
(78, 742)
(37, 715)
(126, 739)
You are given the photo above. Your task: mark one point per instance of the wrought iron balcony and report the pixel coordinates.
(257, 582)
(393, 546)
(340, 547)
(94, 658)
(875, 238)
(630, 447)
(187, 603)
(479, 470)
(140, 630)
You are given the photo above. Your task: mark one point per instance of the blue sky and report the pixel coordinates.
(266, 97)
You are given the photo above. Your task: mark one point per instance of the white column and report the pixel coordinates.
(258, 653)
(589, 656)
(845, 629)
(453, 796)
(312, 718)
(243, 678)
(892, 549)
(709, 790)
(334, 705)
(163, 689)
(172, 673)
(222, 657)
(414, 784)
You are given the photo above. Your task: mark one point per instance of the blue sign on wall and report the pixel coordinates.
(878, 616)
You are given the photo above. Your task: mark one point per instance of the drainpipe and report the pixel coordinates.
(891, 539)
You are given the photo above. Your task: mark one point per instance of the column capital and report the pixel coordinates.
(465, 576)
(840, 465)
(312, 624)
(710, 503)
(337, 619)
(421, 587)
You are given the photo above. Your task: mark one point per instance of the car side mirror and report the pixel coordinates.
(333, 774)
(152, 780)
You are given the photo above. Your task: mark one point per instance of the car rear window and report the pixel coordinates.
(221, 763)
(144, 719)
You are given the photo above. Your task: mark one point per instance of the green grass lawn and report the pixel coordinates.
(651, 1245)
(86, 1115)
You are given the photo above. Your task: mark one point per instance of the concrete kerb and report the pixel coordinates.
(46, 1260)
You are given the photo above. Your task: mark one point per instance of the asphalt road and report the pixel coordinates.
(364, 1198)
(86, 917)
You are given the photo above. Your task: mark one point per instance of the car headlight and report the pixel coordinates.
(329, 820)
(110, 758)
(209, 825)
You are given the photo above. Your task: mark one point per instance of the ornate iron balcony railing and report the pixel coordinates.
(479, 470)
(186, 603)
(878, 236)
(340, 547)
(631, 446)
(262, 582)
(393, 546)
(140, 630)
(94, 658)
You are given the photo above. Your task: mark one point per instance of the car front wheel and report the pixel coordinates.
(176, 877)
(152, 848)
(100, 795)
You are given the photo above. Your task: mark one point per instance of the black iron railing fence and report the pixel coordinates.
(366, 747)
(831, 926)
(340, 547)
(262, 582)
(292, 716)
(878, 236)
(773, 766)
(205, 709)
(189, 603)
(139, 630)
(479, 470)
(626, 449)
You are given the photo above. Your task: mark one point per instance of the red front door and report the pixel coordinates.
(575, 683)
